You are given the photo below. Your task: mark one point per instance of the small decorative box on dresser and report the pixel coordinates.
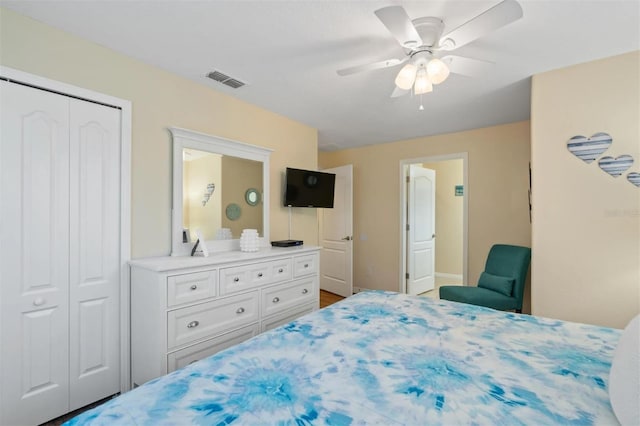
(187, 308)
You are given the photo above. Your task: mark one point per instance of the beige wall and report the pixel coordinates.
(238, 175)
(449, 216)
(159, 100)
(586, 224)
(498, 203)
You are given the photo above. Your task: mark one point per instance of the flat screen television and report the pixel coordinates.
(307, 188)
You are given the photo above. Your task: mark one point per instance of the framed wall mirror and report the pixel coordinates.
(210, 176)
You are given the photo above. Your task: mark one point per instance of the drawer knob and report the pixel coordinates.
(259, 274)
(276, 299)
(39, 301)
(236, 279)
(240, 310)
(280, 270)
(193, 324)
(305, 291)
(194, 287)
(306, 265)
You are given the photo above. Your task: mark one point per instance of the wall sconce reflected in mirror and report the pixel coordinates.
(207, 193)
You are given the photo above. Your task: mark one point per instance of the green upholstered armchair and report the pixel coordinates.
(501, 285)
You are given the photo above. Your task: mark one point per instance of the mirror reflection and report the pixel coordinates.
(213, 189)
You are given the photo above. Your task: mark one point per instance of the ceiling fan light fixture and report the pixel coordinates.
(406, 77)
(422, 84)
(437, 70)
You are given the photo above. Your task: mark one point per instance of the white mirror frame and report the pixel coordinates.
(183, 138)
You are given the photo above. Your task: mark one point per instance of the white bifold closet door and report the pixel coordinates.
(59, 253)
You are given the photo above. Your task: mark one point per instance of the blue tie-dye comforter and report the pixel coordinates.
(386, 358)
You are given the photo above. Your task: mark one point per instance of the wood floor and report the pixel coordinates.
(327, 298)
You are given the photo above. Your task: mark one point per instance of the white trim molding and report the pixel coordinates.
(447, 276)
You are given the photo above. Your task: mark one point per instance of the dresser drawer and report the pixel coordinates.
(305, 265)
(191, 354)
(204, 320)
(250, 276)
(284, 296)
(286, 317)
(191, 287)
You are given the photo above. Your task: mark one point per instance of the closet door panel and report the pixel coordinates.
(34, 247)
(95, 252)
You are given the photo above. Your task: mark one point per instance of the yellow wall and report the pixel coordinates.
(160, 100)
(586, 224)
(498, 202)
(449, 216)
(196, 175)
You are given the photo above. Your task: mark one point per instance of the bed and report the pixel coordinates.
(382, 358)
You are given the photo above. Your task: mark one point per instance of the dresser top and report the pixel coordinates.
(167, 263)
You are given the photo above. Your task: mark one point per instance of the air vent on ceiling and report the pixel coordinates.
(225, 79)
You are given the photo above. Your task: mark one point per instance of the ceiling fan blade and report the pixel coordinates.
(369, 67)
(467, 66)
(399, 24)
(397, 92)
(498, 16)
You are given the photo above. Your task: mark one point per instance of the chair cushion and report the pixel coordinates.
(503, 285)
(478, 296)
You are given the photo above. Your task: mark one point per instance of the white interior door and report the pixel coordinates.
(34, 255)
(336, 236)
(94, 252)
(421, 241)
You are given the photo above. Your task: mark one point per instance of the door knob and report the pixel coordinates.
(347, 238)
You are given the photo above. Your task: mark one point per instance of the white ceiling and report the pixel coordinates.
(288, 53)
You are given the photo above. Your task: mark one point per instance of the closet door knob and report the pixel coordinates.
(194, 287)
(193, 324)
(280, 270)
(276, 299)
(305, 291)
(240, 310)
(259, 274)
(236, 279)
(39, 301)
(306, 265)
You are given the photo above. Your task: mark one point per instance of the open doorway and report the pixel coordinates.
(434, 225)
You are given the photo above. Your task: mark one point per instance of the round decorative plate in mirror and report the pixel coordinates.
(252, 196)
(233, 211)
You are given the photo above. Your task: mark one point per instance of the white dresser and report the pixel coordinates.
(186, 308)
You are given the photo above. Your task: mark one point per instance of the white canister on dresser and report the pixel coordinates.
(249, 240)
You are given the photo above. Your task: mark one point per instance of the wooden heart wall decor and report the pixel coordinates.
(588, 149)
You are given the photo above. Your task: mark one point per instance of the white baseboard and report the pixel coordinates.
(449, 276)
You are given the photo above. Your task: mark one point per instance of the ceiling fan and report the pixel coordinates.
(426, 49)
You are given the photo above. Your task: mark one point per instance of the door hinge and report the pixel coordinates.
(408, 179)
(406, 275)
(407, 226)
